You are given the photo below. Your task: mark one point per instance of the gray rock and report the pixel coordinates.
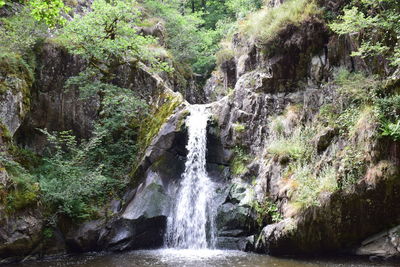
(324, 138)
(85, 237)
(20, 233)
(385, 244)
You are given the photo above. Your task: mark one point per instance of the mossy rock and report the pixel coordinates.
(16, 75)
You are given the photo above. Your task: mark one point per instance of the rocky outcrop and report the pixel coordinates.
(53, 106)
(235, 218)
(385, 244)
(20, 233)
(279, 87)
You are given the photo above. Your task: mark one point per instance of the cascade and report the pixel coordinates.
(192, 221)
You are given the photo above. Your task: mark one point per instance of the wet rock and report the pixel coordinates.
(85, 237)
(20, 233)
(235, 243)
(235, 218)
(385, 244)
(143, 222)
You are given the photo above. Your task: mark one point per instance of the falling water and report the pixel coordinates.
(191, 222)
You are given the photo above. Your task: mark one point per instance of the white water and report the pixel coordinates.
(192, 220)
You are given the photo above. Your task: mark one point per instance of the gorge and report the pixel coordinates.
(234, 133)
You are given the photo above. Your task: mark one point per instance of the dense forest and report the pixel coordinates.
(87, 87)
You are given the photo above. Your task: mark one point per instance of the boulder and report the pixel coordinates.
(385, 244)
(142, 223)
(20, 233)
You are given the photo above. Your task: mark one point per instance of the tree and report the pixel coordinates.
(48, 11)
(377, 22)
(107, 37)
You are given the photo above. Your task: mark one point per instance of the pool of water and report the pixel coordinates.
(197, 258)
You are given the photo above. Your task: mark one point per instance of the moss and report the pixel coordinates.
(238, 127)
(182, 119)
(16, 75)
(19, 199)
(240, 161)
(5, 134)
(157, 117)
(152, 123)
(225, 55)
(267, 23)
(22, 190)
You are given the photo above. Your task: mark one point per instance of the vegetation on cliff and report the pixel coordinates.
(75, 177)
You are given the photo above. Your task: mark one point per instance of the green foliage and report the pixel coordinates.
(277, 125)
(389, 107)
(186, 39)
(377, 22)
(391, 130)
(356, 86)
(107, 37)
(353, 166)
(238, 127)
(48, 233)
(264, 209)
(265, 24)
(23, 190)
(241, 8)
(69, 186)
(239, 162)
(309, 187)
(20, 32)
(48, 11)
(296, 146)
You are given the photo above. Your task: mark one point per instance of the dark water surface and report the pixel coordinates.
(175, 258)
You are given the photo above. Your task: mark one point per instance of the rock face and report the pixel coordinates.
(265, 93)
(20, 233)
(235, 218)
(385, 244)
(275, 91)
(53, 106)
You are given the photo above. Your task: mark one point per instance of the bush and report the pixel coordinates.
(356, 87)
(23, 190)
(309, 187)
(239, 162)
(20, 32)
(377, 23)
(265, 24)
(69, 185)
(296, 146)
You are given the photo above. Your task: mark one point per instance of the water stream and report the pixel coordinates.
(191, 224)
(190, 235)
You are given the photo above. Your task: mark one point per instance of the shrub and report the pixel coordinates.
(296, 146)
(20, 32)
(264, 209)
(224, 55)
(239, 162)
(353, 166)
(356, 87)
(70, 186)
(391, 129)
(265, 24)
(23, 190)
(309, 186)
(377, 23)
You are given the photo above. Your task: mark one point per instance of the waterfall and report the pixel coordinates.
(192, 220)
